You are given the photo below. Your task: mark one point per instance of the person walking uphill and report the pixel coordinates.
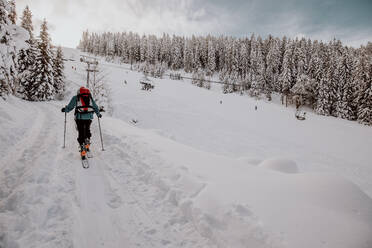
(84, 106)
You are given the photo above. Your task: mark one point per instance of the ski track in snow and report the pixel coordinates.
(141, 184)
(31, 187)
(121, 195)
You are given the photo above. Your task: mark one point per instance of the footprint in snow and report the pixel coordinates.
(151, 231)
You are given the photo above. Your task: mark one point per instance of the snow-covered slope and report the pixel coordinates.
(190, 173)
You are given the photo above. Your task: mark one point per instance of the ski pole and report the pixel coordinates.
(64, 135)
(100, 132)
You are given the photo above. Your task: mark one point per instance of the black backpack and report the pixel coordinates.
(84, 103)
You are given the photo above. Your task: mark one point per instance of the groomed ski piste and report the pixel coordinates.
(191, 172)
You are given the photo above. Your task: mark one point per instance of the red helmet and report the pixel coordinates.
(83, 90)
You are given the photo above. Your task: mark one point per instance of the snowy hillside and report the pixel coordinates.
(191, 172)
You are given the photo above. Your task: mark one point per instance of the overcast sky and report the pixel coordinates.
(348, 20)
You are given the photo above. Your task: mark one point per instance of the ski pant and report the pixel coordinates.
(83, 127)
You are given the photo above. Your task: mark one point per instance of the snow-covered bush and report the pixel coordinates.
(101, 92)
(198, 78)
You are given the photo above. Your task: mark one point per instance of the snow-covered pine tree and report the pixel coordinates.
(285, 78)
(325, 88)
(299, 59)
(43, 87)
(346, 87)
(196, 54)
(84, 42)
(26, 58)
(151, 50)
(234, 80)
(220, 54)
(143, 48)
(257, 63)
(211, 58)
(96, 47)
(266, 75)
(273, 61)
(198, 78)
(229, 55)
(8, 52)
(283, 45)
(13, 12)
(323, 104)
(306, 50)
(165, 49)
(303, 89)
(58, 75)
(103, 45)
(116, 52)
(204, 51)
(26, 21)
(236, 59)
(369, 48)
(150, 54)
(177, 53)
(315, 69)
(132, 49)
(244, 65)
(261, 69)
(137, 48)
(363, 77)
(301, 68)
(188, 57)
(26, 65)
(123, 48)
(225, 86)
(333, 75)
(110, 49)
(237, 68)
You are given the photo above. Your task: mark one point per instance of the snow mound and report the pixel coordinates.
(250, 160)
(281, 165)
(311, 210)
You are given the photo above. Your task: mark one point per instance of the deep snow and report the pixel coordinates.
(190, 173)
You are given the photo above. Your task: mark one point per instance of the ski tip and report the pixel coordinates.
(85, 164)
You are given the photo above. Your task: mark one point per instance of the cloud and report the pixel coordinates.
(317, 19)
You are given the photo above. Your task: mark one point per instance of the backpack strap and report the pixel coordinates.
(77, 107)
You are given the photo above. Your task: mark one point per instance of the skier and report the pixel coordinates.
(84, 106)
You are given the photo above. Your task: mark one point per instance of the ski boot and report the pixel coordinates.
(87, 148)
(87, 144)
(83, 152)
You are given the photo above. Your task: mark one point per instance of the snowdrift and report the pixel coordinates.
(282, 165)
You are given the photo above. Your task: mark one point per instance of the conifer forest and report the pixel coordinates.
(333, 79)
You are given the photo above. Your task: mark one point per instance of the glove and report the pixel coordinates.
(99, 116)
(63, 110)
